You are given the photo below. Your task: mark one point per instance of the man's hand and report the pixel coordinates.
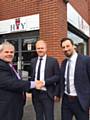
(39, 84)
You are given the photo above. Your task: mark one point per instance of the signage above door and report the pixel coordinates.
(20, 24)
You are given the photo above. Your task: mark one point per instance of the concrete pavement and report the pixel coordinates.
(29, 113)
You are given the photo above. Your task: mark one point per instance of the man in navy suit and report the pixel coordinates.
(43, 99)
(12, 99)
(75, 83)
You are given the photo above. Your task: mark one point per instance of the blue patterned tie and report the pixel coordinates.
(17, 74)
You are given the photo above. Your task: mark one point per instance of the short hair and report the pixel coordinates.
(65, 39)
(4, 44)
(40, 40)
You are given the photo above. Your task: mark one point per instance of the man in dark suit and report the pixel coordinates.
(11, 86)
(75, 83)
(43, 99)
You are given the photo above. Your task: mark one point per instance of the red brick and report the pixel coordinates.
(53, 18)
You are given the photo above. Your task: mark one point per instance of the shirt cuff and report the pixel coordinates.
(32, 84)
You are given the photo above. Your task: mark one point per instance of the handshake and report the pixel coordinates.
(39, 84)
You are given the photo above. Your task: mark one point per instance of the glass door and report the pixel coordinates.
(28, 52)
(24, 52)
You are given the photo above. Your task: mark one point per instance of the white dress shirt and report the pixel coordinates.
(71, 76)
(42, 70)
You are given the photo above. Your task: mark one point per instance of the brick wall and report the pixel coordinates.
(53, 25)
(89, 10)
(82, 7)
(16, 8)
(53, 18)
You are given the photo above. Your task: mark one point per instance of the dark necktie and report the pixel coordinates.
(38, 72)
(68, 75)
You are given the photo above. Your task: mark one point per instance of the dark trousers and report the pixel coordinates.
(43, 105)
(71, 107)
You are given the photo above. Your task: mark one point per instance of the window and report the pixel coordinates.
(80, 43)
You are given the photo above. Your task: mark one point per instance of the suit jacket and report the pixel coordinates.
(11, 93)
(52, 73)
(81, 79)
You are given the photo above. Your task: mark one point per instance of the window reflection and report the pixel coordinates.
(80, 44)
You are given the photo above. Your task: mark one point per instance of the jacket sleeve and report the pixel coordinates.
(53, 73)
(58, 86)
(8, 80)
(88, 67)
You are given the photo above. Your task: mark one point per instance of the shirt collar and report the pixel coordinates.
(73, 57)
(44, 57)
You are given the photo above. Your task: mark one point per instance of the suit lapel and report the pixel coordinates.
(63, 66)
(34, 65)
(78, 67)
(46, 67)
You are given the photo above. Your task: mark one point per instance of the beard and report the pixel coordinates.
(67, 54)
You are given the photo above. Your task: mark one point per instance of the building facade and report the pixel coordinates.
(23, 22)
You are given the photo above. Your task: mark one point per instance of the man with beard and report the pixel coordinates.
(75, 83)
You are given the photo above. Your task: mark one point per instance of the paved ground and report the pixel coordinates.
(29, 113)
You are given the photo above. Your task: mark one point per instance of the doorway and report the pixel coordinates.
(24, 52)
